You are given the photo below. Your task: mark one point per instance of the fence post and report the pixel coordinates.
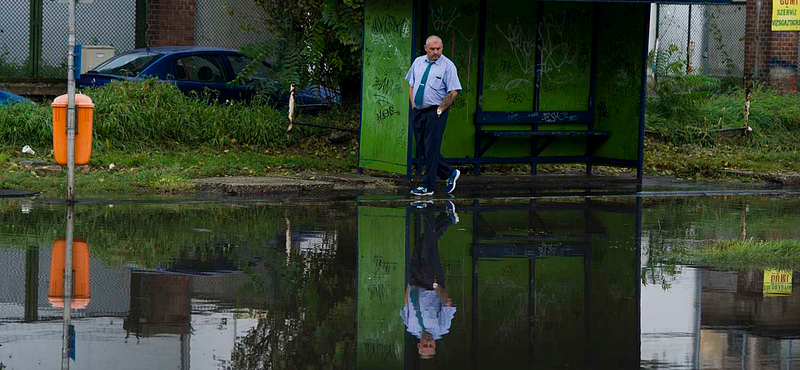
(35, 38)
(141, 24)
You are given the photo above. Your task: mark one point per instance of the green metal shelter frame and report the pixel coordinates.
(544, 81)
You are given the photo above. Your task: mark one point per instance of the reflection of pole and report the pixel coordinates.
(744, 222)
(288, 238)
(31, 284)
(65, 344)
(698, 314)
(71, 106)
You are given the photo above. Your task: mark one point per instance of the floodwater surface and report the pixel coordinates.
(539, 283)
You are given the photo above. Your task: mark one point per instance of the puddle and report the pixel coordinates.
(381, 283)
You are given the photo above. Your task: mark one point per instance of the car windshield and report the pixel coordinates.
(128, 64)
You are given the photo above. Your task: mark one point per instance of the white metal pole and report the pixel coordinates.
(65, 344)
(71, 103)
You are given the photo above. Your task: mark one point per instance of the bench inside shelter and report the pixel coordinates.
(529, 125)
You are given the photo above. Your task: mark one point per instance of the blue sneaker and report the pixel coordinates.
(451, 182)
(450, 208)
(421, 204)
(421, 191)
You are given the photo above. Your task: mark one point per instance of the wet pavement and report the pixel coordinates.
(542, 279)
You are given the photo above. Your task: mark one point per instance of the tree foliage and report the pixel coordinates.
(318, 42)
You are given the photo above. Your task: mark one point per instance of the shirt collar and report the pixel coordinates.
(436, 62)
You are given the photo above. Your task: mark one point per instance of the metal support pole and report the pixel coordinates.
(71, 105)
(689, 42)
(66, 340)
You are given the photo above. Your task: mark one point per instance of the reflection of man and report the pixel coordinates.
(433, 85)
(427, 308)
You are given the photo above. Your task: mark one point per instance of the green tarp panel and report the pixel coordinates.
(384, 96)
(457, 22)
(619, 77)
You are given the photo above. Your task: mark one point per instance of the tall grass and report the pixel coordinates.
(145, 114)
(774, 117)
(737, 255)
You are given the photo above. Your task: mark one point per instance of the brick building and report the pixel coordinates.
(770, 56)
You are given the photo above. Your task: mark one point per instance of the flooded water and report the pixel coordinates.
(376, 283)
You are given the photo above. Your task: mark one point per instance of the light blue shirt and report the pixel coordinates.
(442, 79)
(435, 317)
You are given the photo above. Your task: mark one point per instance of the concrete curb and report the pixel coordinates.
(261, 185)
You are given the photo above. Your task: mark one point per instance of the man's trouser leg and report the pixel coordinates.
(432, 128)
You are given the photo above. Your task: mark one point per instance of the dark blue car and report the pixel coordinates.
(8, 98)
(192, 69)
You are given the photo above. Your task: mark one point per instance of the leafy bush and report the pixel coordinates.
(675, 92)
(152, 114)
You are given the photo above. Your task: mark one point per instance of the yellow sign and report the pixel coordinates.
(777, 283)
(786, 15)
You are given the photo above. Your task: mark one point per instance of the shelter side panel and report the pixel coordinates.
(457, 22)
(619, 77)
(385, 107)
(509, 67)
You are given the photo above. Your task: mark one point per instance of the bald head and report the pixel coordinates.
(433, 39)
(433, 47)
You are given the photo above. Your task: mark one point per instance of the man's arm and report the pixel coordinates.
(448, 100)
(411, 96)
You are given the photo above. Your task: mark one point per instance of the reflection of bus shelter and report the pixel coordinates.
(545, 283)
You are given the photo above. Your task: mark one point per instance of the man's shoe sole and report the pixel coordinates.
(421, 194)
(458, 174)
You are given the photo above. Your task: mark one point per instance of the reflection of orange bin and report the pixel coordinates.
(83, 124)
(80, 273)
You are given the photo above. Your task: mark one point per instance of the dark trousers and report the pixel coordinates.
(425, 265)
(429, 130)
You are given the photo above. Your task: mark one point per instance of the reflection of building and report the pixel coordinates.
(134, 320)
(545, 283)
(723, 321)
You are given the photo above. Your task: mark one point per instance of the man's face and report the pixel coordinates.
(434, 50)
(426, 347)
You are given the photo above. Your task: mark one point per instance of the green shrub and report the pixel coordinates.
(152, 114)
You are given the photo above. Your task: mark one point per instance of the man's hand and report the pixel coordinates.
(411, 96)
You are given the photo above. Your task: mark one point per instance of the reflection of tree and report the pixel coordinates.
(308, 311)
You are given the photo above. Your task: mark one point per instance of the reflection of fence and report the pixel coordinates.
(709, 38)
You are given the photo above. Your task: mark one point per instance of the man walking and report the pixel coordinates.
(433, 85)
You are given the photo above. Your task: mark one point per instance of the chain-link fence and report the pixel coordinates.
(110, 23)
(705, 39)
(14, 39)
(229, 24)
(33, 33)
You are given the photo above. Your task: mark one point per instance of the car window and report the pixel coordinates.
(128, 64)
(199, 68)
(240, 62)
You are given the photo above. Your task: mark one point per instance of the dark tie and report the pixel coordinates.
(421, 89)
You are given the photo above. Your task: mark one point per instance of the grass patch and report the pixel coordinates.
(159, 140)
(739, 255)
(688, 146)
(172, 171)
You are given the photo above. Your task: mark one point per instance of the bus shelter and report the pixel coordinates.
(543, 81)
